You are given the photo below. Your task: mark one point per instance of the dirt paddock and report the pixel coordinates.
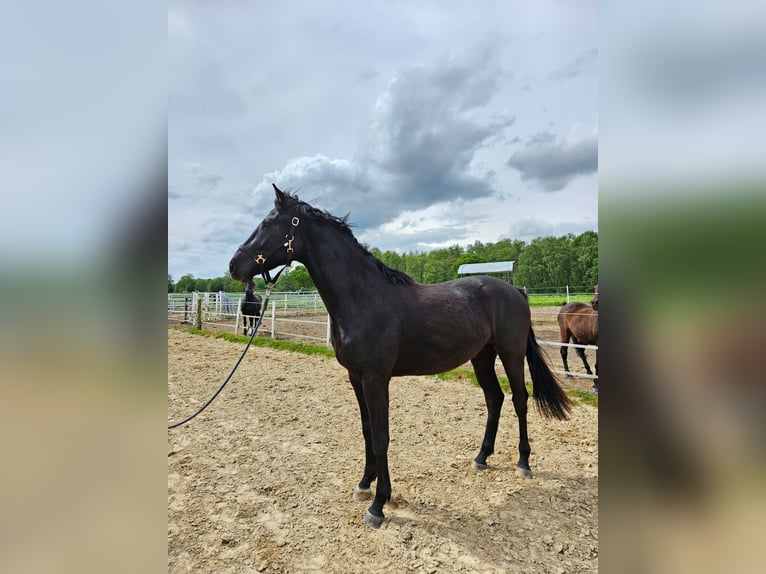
(262, 481)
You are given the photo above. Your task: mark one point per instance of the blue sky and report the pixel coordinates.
(432, 123)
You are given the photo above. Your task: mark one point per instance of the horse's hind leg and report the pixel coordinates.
(564, 360)
(514, 369)
(563, 350)
(581, 354)
(484, 367)
(595, 381)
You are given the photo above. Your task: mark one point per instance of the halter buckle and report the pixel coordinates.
(295, 221)
(260, 259)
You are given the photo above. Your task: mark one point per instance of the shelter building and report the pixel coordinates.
(506, 268)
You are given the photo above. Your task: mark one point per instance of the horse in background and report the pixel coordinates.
(250, 307)
(578, 323)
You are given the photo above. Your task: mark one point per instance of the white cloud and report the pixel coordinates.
(551, 162)
(425, 131)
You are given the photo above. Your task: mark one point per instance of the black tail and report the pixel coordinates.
(550, 398)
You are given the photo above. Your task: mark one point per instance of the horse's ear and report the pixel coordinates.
(279, 194)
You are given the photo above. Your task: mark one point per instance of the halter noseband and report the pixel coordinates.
(261, 260)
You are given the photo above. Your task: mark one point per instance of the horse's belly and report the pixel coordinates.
(430, 361)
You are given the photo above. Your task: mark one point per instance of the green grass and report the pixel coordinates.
(586, 397)
(577, 396)
(295, 347)
(557, 300)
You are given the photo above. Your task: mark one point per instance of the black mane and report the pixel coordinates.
(394, 276)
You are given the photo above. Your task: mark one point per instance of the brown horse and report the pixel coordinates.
(578, 323)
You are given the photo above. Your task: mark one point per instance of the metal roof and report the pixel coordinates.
(496, 267)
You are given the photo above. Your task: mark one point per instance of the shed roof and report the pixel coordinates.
(495, 267)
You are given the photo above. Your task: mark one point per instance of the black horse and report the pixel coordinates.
(250, 306)
(383, 324)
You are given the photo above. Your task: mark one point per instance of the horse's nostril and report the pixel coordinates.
(232, 267)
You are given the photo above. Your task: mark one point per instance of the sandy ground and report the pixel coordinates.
(262, 480)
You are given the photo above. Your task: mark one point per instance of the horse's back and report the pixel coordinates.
(442, 325)
(581, 320)
(501, 308)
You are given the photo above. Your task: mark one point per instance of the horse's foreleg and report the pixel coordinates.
(363, 491)
(484, 367)
(514, 368)
(375, 389)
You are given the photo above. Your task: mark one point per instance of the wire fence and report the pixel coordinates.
(303, 317)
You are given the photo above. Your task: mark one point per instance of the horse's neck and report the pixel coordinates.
(341, 271)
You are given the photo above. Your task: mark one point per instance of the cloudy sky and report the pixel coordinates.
(432, 123)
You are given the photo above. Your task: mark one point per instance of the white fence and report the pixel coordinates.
(302, 316)
(290, 315)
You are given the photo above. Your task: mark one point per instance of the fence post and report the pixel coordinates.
(236, 321)
(199, 313)
(273, 316)
(567, 293)
(327, 339)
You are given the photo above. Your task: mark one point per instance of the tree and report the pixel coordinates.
(295, 279)
(414, 264)
(217, 284)
(530, 269)
(231, 285)
(171, 286)
(585, 260)
(202, 285)
(185, 284)
(438, 266)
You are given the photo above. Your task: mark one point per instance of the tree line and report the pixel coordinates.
(545, 264)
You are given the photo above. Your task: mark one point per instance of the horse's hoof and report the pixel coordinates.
(523, 472)
(372, 520)
(570, 377)
(594, 390)
(480, 465)
(361, 494)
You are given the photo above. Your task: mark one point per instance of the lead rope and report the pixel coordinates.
(265, 306)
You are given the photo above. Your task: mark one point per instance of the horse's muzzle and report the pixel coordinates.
(240, 268)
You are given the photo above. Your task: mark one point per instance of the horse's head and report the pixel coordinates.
(271, 244)
(594, 301)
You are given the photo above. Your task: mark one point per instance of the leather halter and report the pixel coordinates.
(261, 260)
